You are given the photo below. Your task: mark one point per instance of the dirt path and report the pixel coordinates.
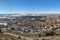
(18, 36)
(26, 37)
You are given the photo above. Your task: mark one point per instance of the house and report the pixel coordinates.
(4, 29)
(4, 23)
(25, 29)
(32, 18)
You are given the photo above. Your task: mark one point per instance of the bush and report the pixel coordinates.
(19, 37)
(1, 31)
(12, 28)
(39, 35)
(42, 34)
(51, 33)
(12, 39)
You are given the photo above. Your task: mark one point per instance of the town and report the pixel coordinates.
(29, 27)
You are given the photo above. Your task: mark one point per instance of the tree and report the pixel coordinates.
(54, 28)
(12, 28)
(39, 35)
(51, 33)
(19, 37)
(12, 39)
(0, 31)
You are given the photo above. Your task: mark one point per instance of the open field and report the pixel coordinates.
(10, 37)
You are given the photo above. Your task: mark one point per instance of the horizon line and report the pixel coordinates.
(43, 12)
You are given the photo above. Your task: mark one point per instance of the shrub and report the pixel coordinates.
(39, 35)
(51, 33)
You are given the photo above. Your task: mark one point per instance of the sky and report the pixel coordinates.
(29, 6)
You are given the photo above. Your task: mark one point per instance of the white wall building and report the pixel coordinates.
(2, 23)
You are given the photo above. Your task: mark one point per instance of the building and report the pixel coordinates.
(3, 23)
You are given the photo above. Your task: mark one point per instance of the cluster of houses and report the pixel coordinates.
(6, 21)
(5, 24)
(32, 29)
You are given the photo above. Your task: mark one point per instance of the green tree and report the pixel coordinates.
(51, 33)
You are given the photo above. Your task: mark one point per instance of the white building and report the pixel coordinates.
(4, 29)
(2, 23)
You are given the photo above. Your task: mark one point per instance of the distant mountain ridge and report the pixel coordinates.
(1, 15)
